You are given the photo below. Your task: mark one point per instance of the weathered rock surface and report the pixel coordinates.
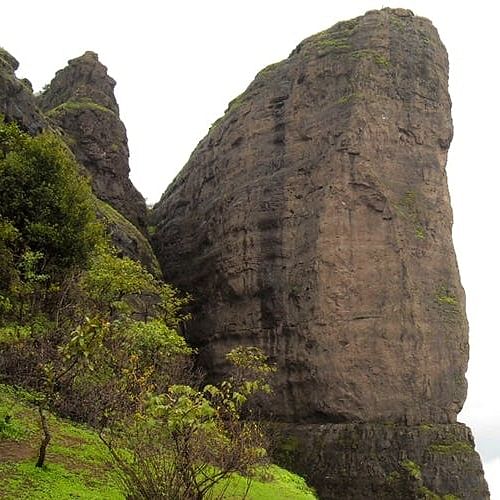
(16, 97)
(314, 221)
(386, 461)
(80, 101)
(129, 241)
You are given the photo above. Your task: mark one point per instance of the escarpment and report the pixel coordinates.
(80, 101)
(314, 221)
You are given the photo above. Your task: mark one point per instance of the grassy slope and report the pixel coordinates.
(77, 462)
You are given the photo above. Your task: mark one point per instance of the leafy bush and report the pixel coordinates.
(183, 444)
(44, 199)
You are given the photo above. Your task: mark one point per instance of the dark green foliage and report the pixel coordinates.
(8, 235)
(44, 199)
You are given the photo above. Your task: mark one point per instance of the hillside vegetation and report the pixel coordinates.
(94, 336)
(79, 466)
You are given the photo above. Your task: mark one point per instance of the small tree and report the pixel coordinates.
(110, 353)
(46, 200)
(185, 442)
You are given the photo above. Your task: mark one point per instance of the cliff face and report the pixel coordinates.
(314, 221)
(386, 461)
(80, 101)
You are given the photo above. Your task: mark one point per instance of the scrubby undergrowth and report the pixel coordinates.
(79, 467)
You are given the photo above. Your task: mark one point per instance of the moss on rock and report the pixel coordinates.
(78, 105)
(127, 238)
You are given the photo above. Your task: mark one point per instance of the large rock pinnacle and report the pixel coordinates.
(80, 101)
(314, 221)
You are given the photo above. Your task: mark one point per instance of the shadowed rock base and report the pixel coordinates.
(385, 461)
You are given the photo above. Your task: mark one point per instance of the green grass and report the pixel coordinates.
(376, 57)
(427, 494)
(336, 43)
(237, 102)
(412, 468)
(330, 42)
(447, 301)
(269, 69)
(443, 297)
(347, 98)
(16, 423)
(408, 209)
(78, 105)
(77, 464)
(454, 448)
(24, 481)
(275, 483)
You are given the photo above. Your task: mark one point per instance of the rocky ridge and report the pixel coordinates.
(314, 221)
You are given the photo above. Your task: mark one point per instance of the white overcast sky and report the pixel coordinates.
(178, 64)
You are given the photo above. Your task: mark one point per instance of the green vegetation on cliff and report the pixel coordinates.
(78, 105)
(121, 229)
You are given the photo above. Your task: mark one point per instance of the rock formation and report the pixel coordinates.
(314, 221)
(80, 101)
(16, 97)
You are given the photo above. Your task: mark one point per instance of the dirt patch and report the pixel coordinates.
(13, 451)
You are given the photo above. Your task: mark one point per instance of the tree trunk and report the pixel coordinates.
(45, 438)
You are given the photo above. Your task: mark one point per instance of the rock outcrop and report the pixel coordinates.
(16, 97)
(127, 238)
(80, 101)
(314, 221)
(386, 461)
